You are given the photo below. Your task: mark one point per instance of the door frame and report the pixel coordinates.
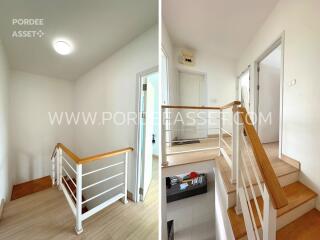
(138, 143)
(280, 41)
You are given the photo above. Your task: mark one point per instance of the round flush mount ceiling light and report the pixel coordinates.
(62, 47)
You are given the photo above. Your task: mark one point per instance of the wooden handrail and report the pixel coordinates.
(229, 105)
(105, 155)
(277, 194)
(78, 160)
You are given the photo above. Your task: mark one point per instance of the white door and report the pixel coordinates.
(269, 97)
(192, 93)
(146, 134)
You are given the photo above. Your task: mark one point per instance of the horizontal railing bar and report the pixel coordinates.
(189, 130)
(100, 169)
(69, 177)
(190, 107)
(69, 189)
(69, 165)
(227, 145)
(104, 180)
(69, 200)
(230, 134)
(102, 206)
(194, 150)
(190, 140)
(98, 195)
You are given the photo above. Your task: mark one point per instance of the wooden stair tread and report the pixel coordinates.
(305, 227)
(33, 186)
(296, 193)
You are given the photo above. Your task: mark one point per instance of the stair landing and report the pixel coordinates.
(33, 186)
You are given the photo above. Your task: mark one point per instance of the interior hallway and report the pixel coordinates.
(47, 215)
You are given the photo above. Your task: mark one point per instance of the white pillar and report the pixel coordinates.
(125, 189)
(235, 143)
(59, 169)
(269, 226)
(53, 171)
(79, 228)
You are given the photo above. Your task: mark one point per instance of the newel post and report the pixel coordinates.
(235, 142)
(79, 228)
(269, 217)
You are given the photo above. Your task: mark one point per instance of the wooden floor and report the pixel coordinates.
(47, 215)
(306, 227)
(27, 188)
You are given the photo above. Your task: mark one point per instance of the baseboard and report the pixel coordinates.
(1, 208)
(290, 161)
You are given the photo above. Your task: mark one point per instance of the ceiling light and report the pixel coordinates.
(62, 47)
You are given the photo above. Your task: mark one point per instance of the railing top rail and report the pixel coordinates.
(78, 160)
(106, 155)
(277, 194)
(229, 105)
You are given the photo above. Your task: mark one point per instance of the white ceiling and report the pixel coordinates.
(222, 27)
(96, 27)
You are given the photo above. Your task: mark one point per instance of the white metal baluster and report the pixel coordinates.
(125, 198)
(235, 143)
(79, 228)
(163, 136)
(59, 168)
(220, 131)
(238, 169)
(269, 227)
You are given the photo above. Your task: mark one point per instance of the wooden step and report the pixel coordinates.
(33, 186)
(305, 227)
(296, 193)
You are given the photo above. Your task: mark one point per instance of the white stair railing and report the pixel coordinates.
(175, 120)
(68, 175)
(253, 167)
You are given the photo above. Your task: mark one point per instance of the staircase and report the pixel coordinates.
(301, 200)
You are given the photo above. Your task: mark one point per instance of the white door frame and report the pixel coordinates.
(280, 41)
(138, 144)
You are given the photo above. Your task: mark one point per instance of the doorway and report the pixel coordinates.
(148, 131)
(269, 107)
(192, 92)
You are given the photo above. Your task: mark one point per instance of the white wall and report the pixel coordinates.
(112, 87)
(5, 164)
(300, 22)
(220, 77)
(32, 137)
